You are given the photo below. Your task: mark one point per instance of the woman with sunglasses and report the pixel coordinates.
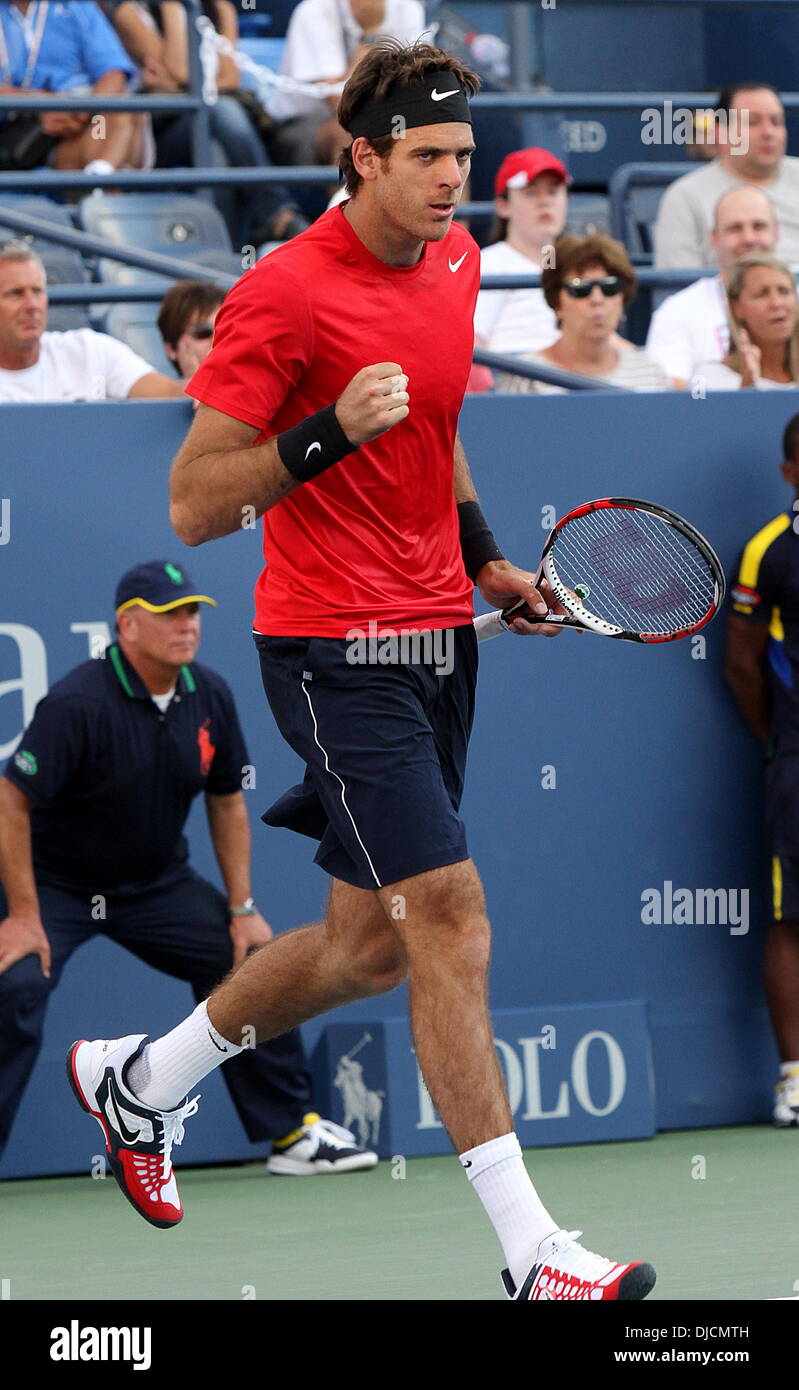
(588, 290)
(186, 323)
(764, 329)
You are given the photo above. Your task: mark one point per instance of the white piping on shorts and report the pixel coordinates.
(329, 769)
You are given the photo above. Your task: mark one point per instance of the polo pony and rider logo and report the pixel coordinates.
(206, 747)
(362, 1107)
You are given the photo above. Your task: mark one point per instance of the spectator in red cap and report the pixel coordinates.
(530, 189)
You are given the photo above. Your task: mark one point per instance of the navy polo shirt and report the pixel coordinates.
(112, 778)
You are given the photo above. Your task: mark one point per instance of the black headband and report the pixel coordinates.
(432, 100)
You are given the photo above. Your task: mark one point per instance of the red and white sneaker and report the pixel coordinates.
(138, 1139)
(566, 1270)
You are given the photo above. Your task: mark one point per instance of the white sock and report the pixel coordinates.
(497, 1173)
(787, 1067)
(171, 1066)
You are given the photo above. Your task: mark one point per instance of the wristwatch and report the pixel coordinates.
(247, 909)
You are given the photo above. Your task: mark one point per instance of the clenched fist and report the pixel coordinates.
(376, 398)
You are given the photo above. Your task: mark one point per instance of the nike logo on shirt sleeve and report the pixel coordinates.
(456, 265)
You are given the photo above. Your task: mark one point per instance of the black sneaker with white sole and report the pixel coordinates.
(319, 1146)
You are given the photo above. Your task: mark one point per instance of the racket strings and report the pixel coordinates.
(640, 572)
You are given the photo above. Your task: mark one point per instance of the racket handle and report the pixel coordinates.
(492, 624)
(489, 625)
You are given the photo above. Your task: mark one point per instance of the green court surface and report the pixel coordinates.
(373, 1236)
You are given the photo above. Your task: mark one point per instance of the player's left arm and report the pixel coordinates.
(229, 826)
(500, 582)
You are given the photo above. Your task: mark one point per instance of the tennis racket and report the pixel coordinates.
(627, 569)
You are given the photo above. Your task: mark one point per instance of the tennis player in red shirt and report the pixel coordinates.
(330, 403)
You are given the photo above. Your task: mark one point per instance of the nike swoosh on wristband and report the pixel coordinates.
(456, 265)
(210, 1034)
(311, 447)
(439, 96)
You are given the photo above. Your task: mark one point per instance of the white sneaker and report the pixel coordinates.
(138, 1139)
(319, 1146)
(786, 1100)
(565, 1270)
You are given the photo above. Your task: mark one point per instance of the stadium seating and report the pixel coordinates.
(135, 324)
(635, 194)
(187, 227)
(588, 213)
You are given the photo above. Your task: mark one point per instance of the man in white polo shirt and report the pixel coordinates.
(692, 325)
(77, 366)
(530, 200)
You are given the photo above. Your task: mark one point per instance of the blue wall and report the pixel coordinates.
(657, 780)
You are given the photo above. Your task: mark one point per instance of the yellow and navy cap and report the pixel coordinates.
(157, 585)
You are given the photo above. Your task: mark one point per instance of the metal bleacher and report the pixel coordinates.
(635, 192)
(179, 225)
(135, 324)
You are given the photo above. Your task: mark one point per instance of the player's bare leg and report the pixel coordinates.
(447, 939)
(352, 954)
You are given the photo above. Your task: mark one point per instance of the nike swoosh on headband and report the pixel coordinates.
(439, 96)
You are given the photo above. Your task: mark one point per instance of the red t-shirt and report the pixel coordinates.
(374, 537)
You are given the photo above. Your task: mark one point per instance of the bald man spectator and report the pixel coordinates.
(751, 140)
(77, 366)
(692, 326)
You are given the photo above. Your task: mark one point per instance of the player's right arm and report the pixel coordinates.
(220, 473)
(21, 933)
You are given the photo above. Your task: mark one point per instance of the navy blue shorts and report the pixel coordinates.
(385, 752)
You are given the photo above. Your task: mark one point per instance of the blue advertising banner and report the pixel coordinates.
(612, 800)
(575, 1074)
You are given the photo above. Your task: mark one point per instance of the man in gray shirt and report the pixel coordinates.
(753, 152)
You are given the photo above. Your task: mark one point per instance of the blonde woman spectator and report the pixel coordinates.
(588, 291)
(764, 339)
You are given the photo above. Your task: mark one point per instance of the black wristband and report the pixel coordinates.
(478, 546)
(313, 445)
